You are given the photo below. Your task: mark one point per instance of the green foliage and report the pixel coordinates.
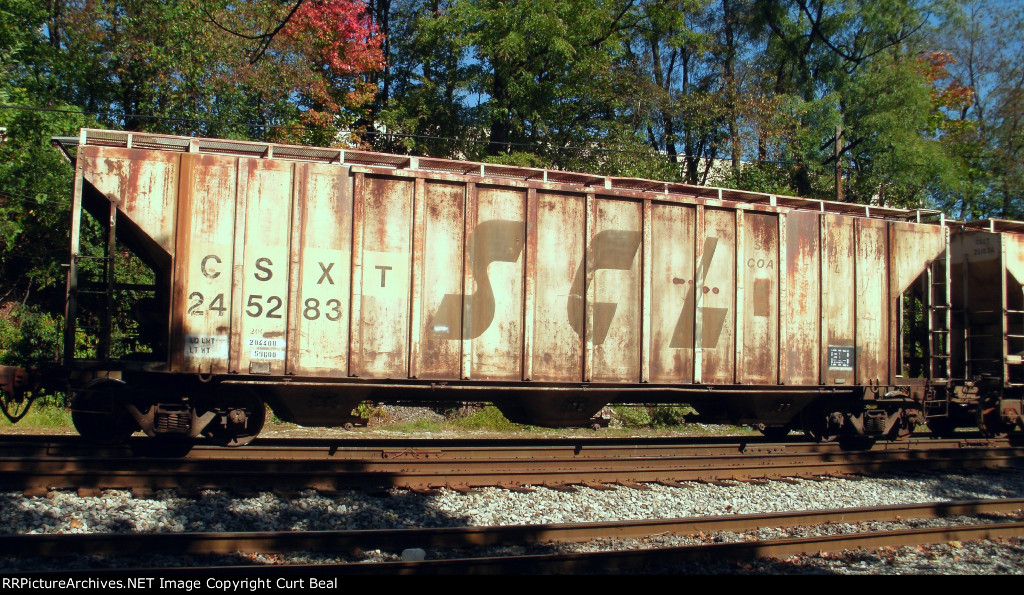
(484, 419)
(668, 89)
(979, 82)
(758, 177)
(34, 207)
(632, 416)
(371, 412)
(489, 418)
(504, 77)
(517, 159)
(669, 415)
(46, 415)
(651, 416)
(535, 58)
(28, 337)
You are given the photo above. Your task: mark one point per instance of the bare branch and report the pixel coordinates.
(857, 57)
(265, 38)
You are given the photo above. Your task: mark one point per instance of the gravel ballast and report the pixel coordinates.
(118, 511)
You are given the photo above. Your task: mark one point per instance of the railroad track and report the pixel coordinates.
(36, 465)
(469, 550)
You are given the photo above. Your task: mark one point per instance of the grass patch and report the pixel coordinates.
(49, 416)
(488, 419)
(651, 416)
(45, 417)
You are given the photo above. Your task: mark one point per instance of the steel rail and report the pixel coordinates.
(469, 537)
(432, 470)
(465, 449)
(129, 544)
(671, 557)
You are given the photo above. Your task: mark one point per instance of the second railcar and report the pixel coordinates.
(987, 340)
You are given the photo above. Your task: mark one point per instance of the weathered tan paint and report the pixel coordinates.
(321, 299)
(558, 316)
(716, 305)
(613, 292)
(912, 247)
(386, 252)
(672, 286)
(265, 262)
(760, 310)
(494, 289)
(838, 300)
(442, 257)
(203, 264)
(872, 302)
(1014, 254)
(803, 303)
(143, 185)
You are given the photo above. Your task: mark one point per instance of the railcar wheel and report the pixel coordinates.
(99, 415)
(941, 427)
(774, 432)
(905, 425)
(240, 418)
(820, 426)
(820, 436)
(990, 422)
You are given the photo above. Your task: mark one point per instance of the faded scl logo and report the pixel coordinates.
(614, 249)
(496, 240)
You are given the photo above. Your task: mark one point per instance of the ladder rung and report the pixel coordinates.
(939, 356)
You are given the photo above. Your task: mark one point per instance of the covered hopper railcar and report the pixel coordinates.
(987, 340)
(315, 279)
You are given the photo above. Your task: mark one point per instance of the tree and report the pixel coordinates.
(422, 95)
(851, 69)
(981, 42)
(184, 67)
(672, 85)
(541, 67)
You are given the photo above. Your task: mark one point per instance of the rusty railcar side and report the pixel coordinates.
(321, 278)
